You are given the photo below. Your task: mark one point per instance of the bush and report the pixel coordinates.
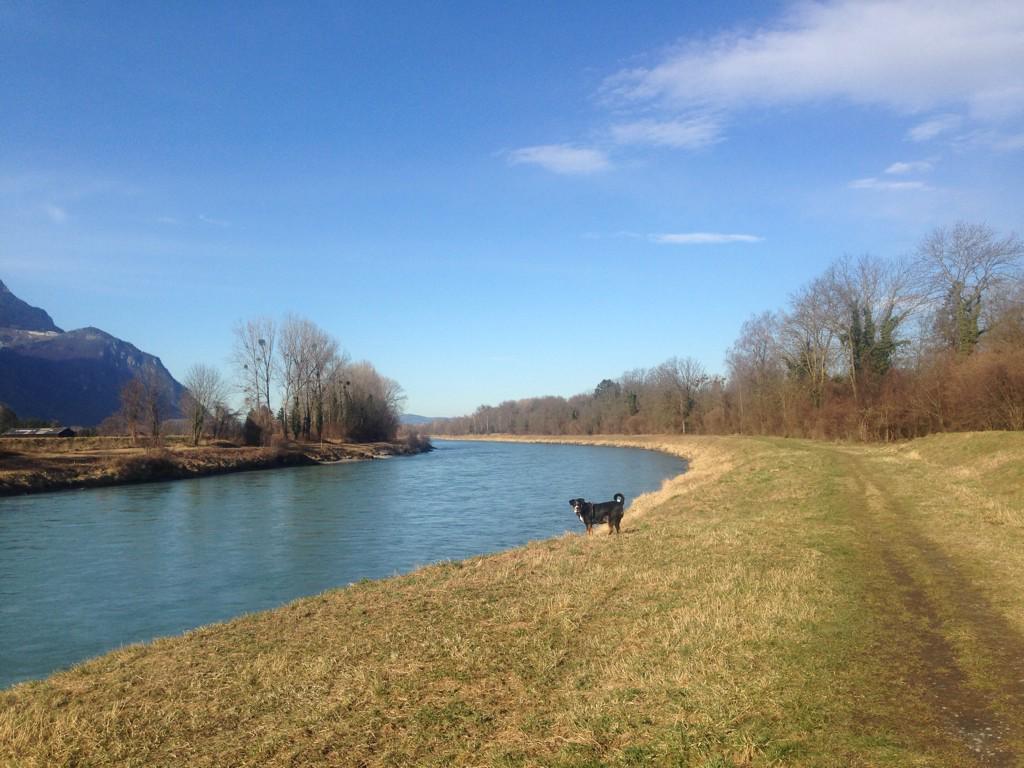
(252, 432)
(418, 443)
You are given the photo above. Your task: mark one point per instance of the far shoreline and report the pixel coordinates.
(30, 472)
(678, 446)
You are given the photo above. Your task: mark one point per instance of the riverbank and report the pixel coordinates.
(706, 460)
(39, 467)
(781, 603)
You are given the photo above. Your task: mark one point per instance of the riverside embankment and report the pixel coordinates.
(781, 603)
(36, 466)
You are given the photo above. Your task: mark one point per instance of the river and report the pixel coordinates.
(84, 572)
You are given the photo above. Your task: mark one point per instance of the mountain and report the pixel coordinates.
(73, 377)
(18, 315)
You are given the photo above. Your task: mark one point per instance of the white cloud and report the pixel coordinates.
(215, 222)
(894, 186)
(909, 55)
(690, 133)
(56, 214)
(913, 166)
(935, 126)
(702, 238)
(950, 65)
(561, 158)
(994, 139)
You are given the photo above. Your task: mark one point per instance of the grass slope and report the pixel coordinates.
(783, 603)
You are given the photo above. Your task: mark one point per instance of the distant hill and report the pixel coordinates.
(415, 420)
(73, 377)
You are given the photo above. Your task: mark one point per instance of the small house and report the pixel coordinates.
(41, 432)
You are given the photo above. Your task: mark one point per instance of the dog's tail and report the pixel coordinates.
(619, 498)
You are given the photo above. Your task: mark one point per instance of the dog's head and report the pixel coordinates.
(578, 506)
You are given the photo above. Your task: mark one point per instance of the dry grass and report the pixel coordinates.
(738, 620)
(48, 446)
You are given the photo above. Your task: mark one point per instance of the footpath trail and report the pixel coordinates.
(783, 603)
(951, 645)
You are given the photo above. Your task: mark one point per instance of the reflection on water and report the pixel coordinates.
(83, 572)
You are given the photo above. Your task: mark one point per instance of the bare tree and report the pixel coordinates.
(309, 357)
(757, 373)
(206, 389)
(808, 335)
(155, 399)
(871, 300)
(254, 361)
(683, 378)
(324, 360)
(291, 354)
(132, 406)
(959, 267)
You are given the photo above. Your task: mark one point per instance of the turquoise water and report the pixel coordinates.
(84, 572)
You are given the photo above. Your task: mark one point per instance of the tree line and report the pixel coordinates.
(295, 381)
(871, 349)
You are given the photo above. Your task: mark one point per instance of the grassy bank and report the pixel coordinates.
(39, 466)
(783, 603)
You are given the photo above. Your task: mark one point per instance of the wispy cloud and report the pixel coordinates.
(913, 166)
(934, 127)
(899, 168)
(55, 213)
(689, 133)
(861, 51)
(701, 238)
(215, 222)
(561, 158)
(876, 53)
(885, 184)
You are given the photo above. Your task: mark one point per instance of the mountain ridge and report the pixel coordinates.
(20, 315)
(74, 377)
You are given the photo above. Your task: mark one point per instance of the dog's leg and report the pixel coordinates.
(611, 527)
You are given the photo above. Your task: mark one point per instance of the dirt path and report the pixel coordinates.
(957, 652)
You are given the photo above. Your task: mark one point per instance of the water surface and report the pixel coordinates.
(84, 572)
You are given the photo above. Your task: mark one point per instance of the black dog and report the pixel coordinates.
(591, 514)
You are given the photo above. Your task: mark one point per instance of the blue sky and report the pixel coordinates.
(488, 200)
